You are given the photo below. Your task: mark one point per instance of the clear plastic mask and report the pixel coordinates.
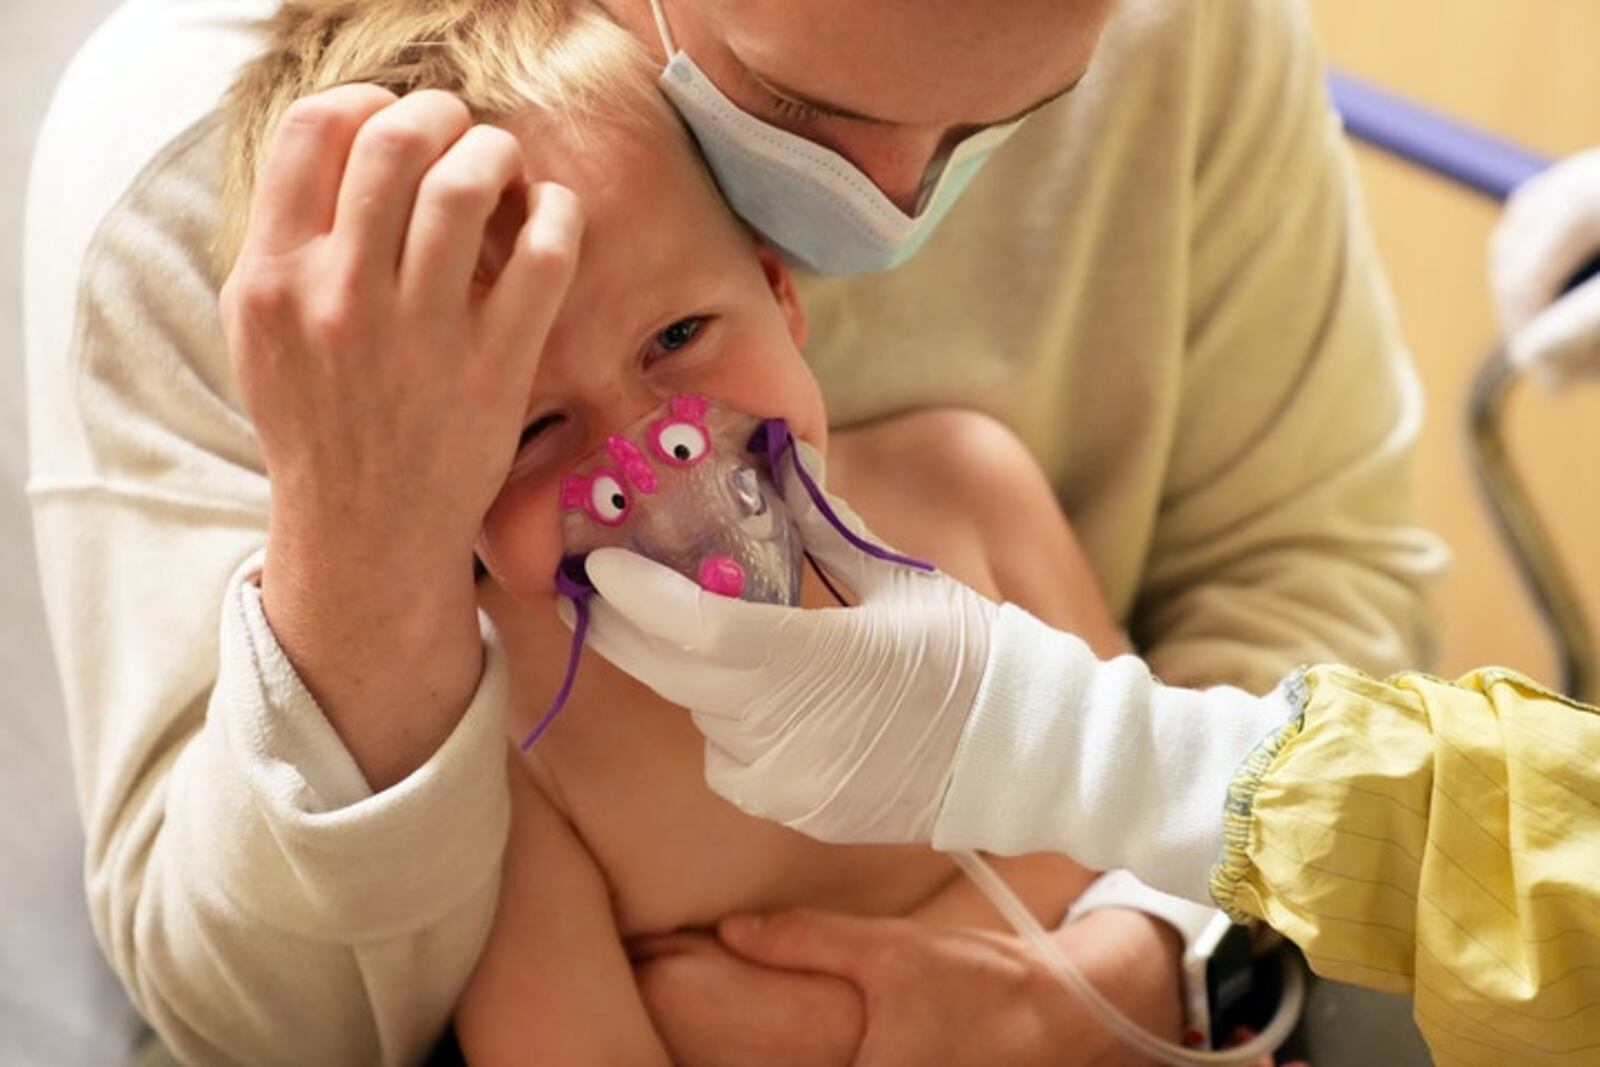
(691, 486)
(683, 487)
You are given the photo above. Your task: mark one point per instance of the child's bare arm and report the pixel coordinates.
(554, 985)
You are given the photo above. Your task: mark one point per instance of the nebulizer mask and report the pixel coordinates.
(695, 486)
(684, 488)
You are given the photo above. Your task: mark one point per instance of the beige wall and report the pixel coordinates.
(1530, 70)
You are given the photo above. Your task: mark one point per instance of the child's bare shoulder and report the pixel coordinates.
(960, 482)
(956, 463)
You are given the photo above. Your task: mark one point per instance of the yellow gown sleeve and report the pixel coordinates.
(1437, 839)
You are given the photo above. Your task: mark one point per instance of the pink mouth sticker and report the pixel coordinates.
(722, 575)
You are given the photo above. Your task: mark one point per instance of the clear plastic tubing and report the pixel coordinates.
(1064, 972)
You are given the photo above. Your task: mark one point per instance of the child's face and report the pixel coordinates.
(671, 296)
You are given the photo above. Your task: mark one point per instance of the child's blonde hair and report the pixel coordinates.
(565, 58)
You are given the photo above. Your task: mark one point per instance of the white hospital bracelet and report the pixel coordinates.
(1201, 928)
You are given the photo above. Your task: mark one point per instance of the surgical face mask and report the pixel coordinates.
(811, 202)
(683, 487)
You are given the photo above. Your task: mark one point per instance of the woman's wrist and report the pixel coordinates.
(387, 643)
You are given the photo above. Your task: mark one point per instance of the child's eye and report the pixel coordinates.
(679, 334)
(675, 337)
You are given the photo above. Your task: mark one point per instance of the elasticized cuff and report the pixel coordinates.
(1228, 874)
(302, 841)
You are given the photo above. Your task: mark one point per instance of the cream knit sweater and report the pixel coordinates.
(1162, 282)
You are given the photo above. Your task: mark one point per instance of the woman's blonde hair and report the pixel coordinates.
(565, 58)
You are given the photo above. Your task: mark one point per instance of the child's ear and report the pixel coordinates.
(782, 285)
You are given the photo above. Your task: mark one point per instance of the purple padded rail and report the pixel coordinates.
(1448, 147)
(1440, 145)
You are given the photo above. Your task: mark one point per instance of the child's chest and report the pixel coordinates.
(628, 770)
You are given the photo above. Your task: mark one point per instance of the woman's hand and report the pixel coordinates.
(388, 376)
(951, 997)
(714, 1009)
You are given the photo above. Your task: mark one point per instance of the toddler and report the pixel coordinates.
(614, 835)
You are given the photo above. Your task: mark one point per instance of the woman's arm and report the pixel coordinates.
(554, 985)
(262, 894)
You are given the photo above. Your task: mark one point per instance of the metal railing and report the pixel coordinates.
(1494, 167)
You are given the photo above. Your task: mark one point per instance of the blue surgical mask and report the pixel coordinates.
(809, 201)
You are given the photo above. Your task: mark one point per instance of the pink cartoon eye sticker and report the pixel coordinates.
(680, 442)
(601, 494)
(607, 501)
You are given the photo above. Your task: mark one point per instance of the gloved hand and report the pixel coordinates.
(929, 713)
(1550, 229)
(840, 722)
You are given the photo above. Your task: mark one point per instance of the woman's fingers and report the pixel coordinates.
(392, 152)
(806, 939)
(454, 203)
(522, 305)
(300, 177)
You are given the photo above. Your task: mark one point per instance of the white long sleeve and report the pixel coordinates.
(1098, 760)
(258, 902)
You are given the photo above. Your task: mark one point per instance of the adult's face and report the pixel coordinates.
(889, 84)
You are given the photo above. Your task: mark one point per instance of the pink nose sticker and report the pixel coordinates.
(721, 575)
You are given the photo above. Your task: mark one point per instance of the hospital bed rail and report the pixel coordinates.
(1494, 167)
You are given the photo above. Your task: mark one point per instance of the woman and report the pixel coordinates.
(1192, 162)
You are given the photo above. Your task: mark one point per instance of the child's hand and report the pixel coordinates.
(388, 380)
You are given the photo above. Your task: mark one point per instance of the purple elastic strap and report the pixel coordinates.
(572, 583)
(777, 439)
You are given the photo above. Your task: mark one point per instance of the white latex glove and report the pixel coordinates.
(929, 713)
(840, 722)
(1550, 229)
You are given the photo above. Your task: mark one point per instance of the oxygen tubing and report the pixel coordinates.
(1070, 978)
